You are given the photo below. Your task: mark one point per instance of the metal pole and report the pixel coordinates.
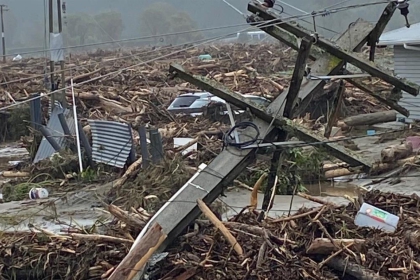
(143, 146)
(63, 74)
(51, 28)
(3, 40)
(50, 138)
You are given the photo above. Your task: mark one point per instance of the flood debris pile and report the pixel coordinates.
(74, 253)
(318, 243)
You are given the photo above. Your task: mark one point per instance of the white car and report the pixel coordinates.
(193, 103)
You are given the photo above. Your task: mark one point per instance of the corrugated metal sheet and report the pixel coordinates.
(401, 35)
(45, 149)
(111, 142)
(407, 65)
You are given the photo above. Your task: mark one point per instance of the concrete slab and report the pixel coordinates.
(236, 200)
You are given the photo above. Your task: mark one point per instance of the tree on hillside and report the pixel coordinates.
(162, 18)
(78, 28)
(110, 22)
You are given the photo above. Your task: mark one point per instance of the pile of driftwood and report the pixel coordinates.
(117, 85)
(74, 253)
(320, 243)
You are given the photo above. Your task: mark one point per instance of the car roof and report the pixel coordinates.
(196, 94)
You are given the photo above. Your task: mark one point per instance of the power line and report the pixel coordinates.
(269, 23)
(138, 38)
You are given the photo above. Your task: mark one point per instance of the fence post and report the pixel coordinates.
(35, 111)
(85, 143)
(156, 145)
(143, 146)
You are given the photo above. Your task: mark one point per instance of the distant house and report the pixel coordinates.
(406, 42)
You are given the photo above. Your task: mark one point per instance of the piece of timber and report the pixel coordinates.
(265, 115)
(380, 27)
(335, 110)
(297, 77)
(368, 66)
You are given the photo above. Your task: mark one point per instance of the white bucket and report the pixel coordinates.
(38, 193)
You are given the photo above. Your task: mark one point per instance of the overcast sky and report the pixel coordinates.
(24, 14)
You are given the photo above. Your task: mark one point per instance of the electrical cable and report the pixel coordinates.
(136, 39)
(229, 140)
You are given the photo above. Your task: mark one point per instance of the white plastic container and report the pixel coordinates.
(371, 216)
(38, 193)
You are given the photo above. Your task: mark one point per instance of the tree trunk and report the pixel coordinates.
(324, 246)
(373, 118)
(396, 152)
(140, 254)
(353, 269)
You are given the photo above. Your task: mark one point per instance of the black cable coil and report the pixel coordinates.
(229, 139)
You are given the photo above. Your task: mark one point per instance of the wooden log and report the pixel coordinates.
(396, 152)
(219, 225)
(370, 119)
(14, 174)
(338, 173)
(84, 95)
(140, 254)
(100, 238)
(353, 269)
(82, 77)
(324, 246)
(132, 220)
(130, 170)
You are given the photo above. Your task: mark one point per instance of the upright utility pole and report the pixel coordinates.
(60, 30)
(51, 29)
(61, 97)
(3, 40)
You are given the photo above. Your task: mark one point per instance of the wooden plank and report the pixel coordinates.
(368, 66)
(297, 77)
(335, 109)
(284, 123)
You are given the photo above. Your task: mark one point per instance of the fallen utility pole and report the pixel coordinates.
(354, 38)
(3, 39)
(327, 63)
(268, 115)
(291, 101)
(367, 66)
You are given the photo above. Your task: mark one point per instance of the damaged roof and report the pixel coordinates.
(401, 36)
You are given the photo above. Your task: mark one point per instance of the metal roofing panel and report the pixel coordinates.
(401, 36)
(407, 65)
(111, 142)
(45, 149)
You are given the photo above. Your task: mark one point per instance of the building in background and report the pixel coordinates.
(406, 43)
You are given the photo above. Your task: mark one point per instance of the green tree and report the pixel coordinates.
(78, 28)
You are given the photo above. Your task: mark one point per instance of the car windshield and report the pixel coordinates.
(183, 101)
(199, 103)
